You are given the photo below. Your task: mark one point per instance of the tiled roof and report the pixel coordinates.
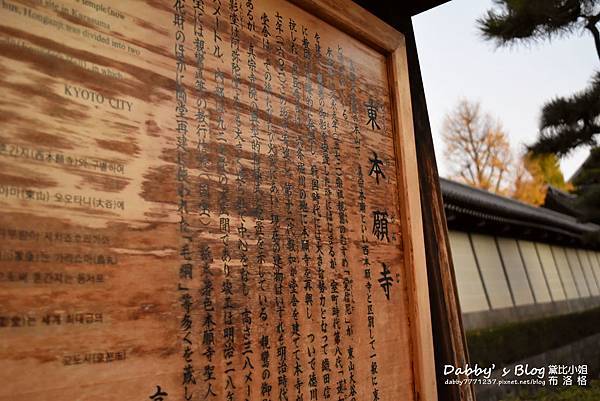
(462, 199)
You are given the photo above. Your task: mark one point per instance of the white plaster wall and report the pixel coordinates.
(470, 289)
(534, 270)
(552, 277)
(565, 272)
(577, 272)
(587, 270)
(517, 278)
(595, 263)
(491, 270)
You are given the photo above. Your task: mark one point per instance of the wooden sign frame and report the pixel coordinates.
(355, 21)
(348, 18)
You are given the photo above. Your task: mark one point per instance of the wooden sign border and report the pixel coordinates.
(360, 24)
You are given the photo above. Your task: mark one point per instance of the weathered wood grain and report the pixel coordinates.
(97, 175)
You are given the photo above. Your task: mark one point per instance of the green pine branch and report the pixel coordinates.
(568, 123)
(514, 21)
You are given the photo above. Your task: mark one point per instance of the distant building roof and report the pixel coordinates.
(561, 201)
(584, 179)
(471, 209)
(580, 169)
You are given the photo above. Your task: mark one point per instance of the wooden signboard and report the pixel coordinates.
(208, 200)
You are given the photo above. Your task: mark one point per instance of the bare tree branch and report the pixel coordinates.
(477, 148)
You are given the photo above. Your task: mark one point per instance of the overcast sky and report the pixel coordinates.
(512, 84)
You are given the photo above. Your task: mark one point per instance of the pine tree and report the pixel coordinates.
(533, 20)
(587, 182)
(566, 123)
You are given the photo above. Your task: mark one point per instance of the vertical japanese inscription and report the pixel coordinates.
(282, 348)
(308, 190)
(364, 243)
(259, 260)
(319, 169)
(296, 216)
(186, 267)
(275, 278)
(339, 265)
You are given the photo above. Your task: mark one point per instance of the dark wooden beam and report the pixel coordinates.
(417, 7)
(449, 341)
(391, 10)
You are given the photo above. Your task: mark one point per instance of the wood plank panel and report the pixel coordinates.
(207, 198)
